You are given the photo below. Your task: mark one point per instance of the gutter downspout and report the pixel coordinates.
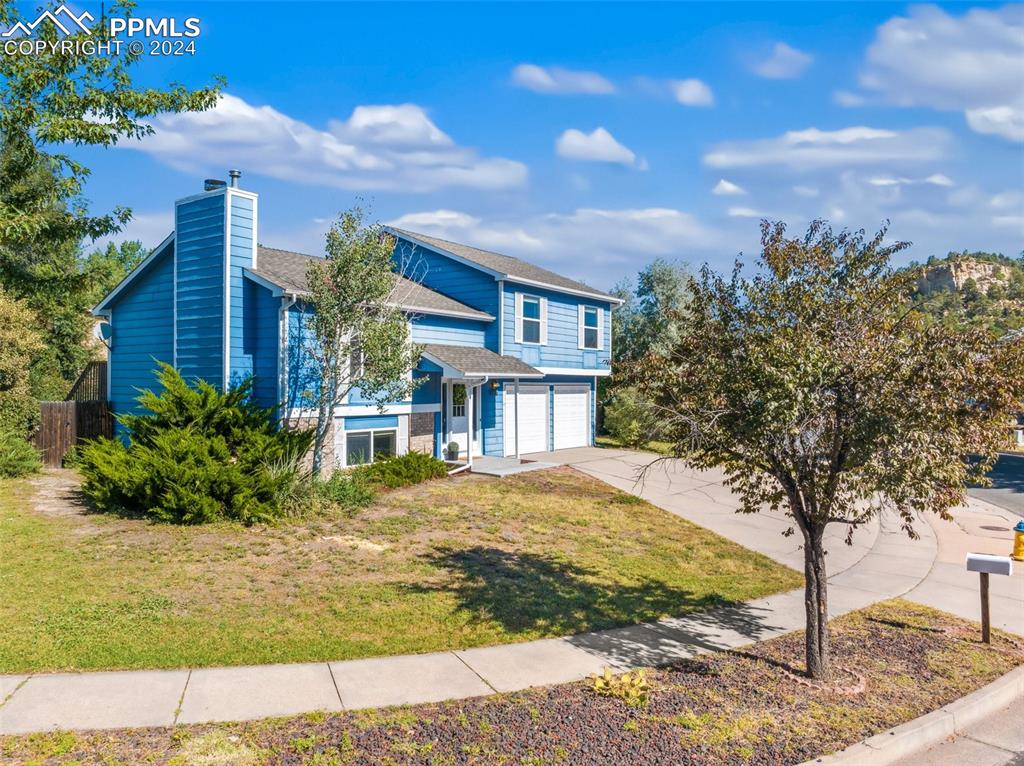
(290, 299)
(517, 419)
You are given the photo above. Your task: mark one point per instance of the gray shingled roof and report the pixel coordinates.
(510, 267)
(478, 361)
(288, 271)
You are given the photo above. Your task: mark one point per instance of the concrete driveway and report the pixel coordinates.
(930, 570)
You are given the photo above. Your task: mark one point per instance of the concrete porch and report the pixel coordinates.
(506, 466)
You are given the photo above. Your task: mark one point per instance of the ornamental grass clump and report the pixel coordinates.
(198, 454)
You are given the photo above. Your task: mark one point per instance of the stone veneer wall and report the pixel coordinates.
(328, 461)
(421, 432)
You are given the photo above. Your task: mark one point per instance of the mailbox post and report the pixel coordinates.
(984, 565)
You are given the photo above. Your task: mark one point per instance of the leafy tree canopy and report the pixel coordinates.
(820, 392)
(61, 98)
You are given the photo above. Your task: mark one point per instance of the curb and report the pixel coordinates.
(908, 738)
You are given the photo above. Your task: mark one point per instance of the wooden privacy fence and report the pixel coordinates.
(64, 424)
(91, 385)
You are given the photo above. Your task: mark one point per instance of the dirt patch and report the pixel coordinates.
(348, 541)
(56, 493)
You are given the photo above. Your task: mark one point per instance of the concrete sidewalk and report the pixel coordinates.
(883, 563)
(998, 740)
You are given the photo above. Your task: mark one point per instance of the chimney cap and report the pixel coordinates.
(211, 184)
(234, 175)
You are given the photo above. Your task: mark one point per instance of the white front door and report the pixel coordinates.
(572, 416)
(533, 419)
(458, 416)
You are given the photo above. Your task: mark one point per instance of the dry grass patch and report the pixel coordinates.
(451, 563)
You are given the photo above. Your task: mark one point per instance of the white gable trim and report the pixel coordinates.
(442, 251)
(499, 275)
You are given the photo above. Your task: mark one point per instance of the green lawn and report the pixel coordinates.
(661, 448)
(453, 563)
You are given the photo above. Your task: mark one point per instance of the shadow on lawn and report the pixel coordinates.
(529, 592)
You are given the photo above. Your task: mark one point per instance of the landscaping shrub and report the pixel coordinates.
(348, 489)
(17, 456)
(403, 470)
(197, 455)
(630, 418)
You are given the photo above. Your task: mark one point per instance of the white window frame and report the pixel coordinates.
(581, 339)
(462, 406)
(342, 457)
(542, 304)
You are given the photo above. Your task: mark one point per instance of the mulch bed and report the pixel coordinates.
(746, 707)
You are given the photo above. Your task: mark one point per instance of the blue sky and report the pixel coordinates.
(591, 138)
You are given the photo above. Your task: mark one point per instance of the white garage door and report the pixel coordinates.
(572, 416)
(533, 419)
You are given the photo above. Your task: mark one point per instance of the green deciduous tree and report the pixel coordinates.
(650, 317)
(360, 337)
(66, 97)
(50, 102)
(819, 391)
(21, 346)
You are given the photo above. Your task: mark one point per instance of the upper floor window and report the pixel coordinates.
(356, 362)
(591, 329)
(531, 319)
(590, 336)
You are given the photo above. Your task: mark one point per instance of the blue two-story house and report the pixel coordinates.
(512, 351)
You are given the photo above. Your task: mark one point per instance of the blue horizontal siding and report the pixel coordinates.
(241, 226)
(143, 333)
(450, 331)
(429, 391)
(199, 239)
(562, 348)
(259, 343)
(303, 380)
(456, 280)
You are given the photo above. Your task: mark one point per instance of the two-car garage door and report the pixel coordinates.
(566, 413)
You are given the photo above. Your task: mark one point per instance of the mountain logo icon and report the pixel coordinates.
(71, 24)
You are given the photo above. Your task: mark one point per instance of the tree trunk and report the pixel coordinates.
(816, 605)
(323, 422)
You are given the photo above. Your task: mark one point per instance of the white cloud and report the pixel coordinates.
(813, 149)
(388, 147)
(970, 63)
(806, 191)
(784, 63)
(597, 246)
(848, 99)
(150, 228)
(1006, 121)
(596, 146)
(936, 179)
(727, 188)
(743, 212)
(557, 80)
(1008, 200)
(692, 92)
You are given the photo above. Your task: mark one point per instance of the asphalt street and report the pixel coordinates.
(1007, 490)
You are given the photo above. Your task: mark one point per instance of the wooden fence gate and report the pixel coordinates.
(65, 424)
